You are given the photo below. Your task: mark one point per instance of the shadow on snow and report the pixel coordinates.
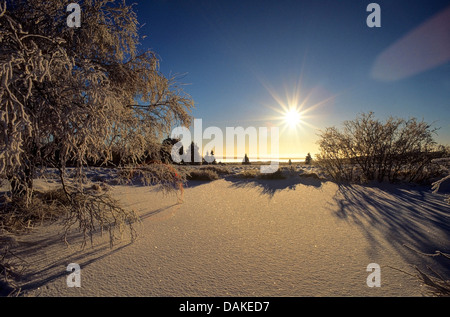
(406, 216)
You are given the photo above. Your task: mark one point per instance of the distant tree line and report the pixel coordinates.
(191, 156)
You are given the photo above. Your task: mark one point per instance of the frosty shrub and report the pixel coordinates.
(220, 170)
(369, 149)
(278, 174)
(248, 174)
(203, 175)
(79, 95)
(157, 173)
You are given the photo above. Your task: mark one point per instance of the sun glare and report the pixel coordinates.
(292, 118)
(294, 111)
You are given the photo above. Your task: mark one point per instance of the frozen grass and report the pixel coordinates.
(310, 175)
(278, 174)
(203, 175)
(164, 175)
(248, 174)
(20, 217)
(255, 173)
(220, 170)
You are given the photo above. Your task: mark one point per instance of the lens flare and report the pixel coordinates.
(292, 117)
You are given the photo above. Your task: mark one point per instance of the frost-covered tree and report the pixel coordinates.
(78, 94)
(396, 149)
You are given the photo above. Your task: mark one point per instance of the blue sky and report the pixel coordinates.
(242, 59)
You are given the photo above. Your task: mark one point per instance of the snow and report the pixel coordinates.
(232, 237)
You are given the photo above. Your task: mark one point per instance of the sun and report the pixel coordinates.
(294, 111)
(292, 117)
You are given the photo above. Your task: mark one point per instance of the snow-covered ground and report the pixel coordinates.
(299, 236)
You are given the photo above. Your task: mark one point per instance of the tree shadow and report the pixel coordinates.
(271, 186)
(57, 270)
(34, 254)
(406, 217)
(157, 211)
(195, 183)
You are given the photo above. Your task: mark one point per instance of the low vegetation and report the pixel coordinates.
(278, 174)
(45, 206)
(367, 149)
(248, 174)
(310, 175)
(255, 173)
(203, 175)
(221, 170)
(167, 176)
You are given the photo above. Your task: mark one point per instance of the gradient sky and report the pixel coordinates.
(244, 59)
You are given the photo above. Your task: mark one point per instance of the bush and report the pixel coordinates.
(203, 175)
(165, 175)
(217, 169)
(257, 174)
(369, 149)
(310, 175)
(278, 174)
(248, 174)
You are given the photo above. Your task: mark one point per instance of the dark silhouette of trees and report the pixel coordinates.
(193, 152)
(308, 159)
(246, 160)
(213, 158)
